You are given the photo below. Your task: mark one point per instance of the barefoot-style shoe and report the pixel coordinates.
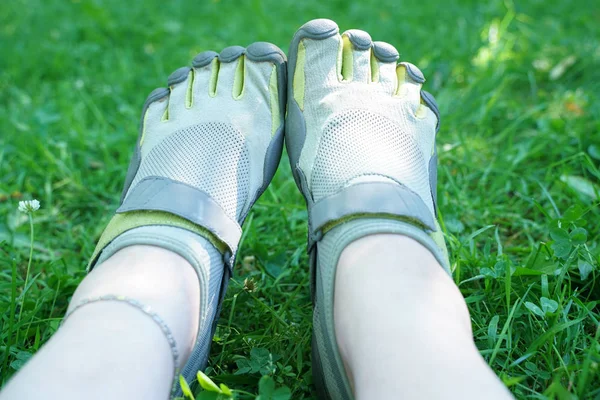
(208, 147)
(360, 135)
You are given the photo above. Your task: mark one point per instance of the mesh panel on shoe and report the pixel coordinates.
(213, 262)
(333, 375)
(212, 157)
(357, 143)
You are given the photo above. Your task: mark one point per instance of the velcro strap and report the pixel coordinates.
(163, 194)
(370, 198)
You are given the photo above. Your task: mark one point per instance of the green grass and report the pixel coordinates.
(519, 178)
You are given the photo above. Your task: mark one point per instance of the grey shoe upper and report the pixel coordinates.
(358, 139)
(205, 154)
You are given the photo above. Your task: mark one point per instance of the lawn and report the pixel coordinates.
(519, 181)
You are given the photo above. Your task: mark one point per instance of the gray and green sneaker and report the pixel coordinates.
(360, 134)
(208, 147)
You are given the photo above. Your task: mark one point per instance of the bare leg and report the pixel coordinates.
(109, 349)
(403, 327)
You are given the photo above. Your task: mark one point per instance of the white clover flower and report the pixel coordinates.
(29, 206)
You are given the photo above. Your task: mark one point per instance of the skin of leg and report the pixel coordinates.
(402, 326)
(110, 349)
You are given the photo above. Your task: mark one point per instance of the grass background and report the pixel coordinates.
(517, 84)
